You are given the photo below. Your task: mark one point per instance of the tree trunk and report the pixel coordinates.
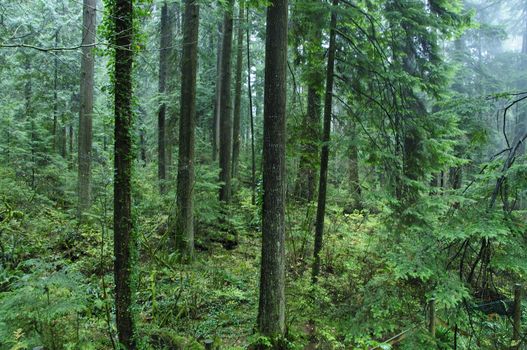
(217, 101)
(306, 182)
(250, 93)
(171, 134)
(55, 96)
(124, 238)
(63, 139)
(226, 106)
(271, 309)
(86, 106)
(353, 154)
(521, 125)
(237, 95)
(184, 229)
(72, 135)
(164, 55)
(324, 155)
(142, 136)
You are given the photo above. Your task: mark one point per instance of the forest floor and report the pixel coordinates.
(56, 280)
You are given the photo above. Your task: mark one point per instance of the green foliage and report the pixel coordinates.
(420, 91)
(45, 306)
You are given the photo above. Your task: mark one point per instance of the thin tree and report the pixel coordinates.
(217, 98)
(164, 55)
(237, 94)
(124, 239)
(306, 182)
(184, 228)
(324, 155)
(250, 93)
(353, 159)
(86, 106)
(226, 106)
(271, 309)
(55, 95)
(521, 120)
(171, 139)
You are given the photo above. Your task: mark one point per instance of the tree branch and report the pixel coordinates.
(47, 49)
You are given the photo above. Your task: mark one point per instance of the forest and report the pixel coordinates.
(263, 174)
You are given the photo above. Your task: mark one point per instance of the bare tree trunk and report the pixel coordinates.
(171, 133)
(237, 94)
(324, 156)
(63, 139)
(142, 136)
(353, 154)
(124, 238)
(86, 107)
(250, 93)
(271, 309)
(164, 55)
(184, 229)
(306, 182)
(72, 136)
(226, 106)
(521, 125)
(217, 101)
(55, 96)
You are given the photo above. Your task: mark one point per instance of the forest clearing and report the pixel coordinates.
(263, 174)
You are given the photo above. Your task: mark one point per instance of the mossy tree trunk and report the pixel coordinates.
(124, 238)
(184, 228)
(271, 309)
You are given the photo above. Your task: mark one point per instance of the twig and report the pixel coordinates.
(47, 49)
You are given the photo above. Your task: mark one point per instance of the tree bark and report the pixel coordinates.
(226, 106)
(353, 154)
(142, 136)
(63, 139)
(55, 95)
(86, 107)
(237, 94)
(324, 155)
(306, 182)
(171, 132)
(184, 228)
(217, 101)
(124, 238)
(164, 55)
(72, 136)
(521, 125)
(271, 309)
(250, 93)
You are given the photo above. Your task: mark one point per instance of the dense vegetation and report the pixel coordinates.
(302, 174)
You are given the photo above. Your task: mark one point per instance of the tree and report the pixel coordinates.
(237, 94)
(324, 155)
(251, 116)
(353, 159)
(55, 95)
(309, 26)
(217, 98)
(164, 56)
(184, 229)
(86, 106)
(271, 308)
(226, 106)
(124, 238)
